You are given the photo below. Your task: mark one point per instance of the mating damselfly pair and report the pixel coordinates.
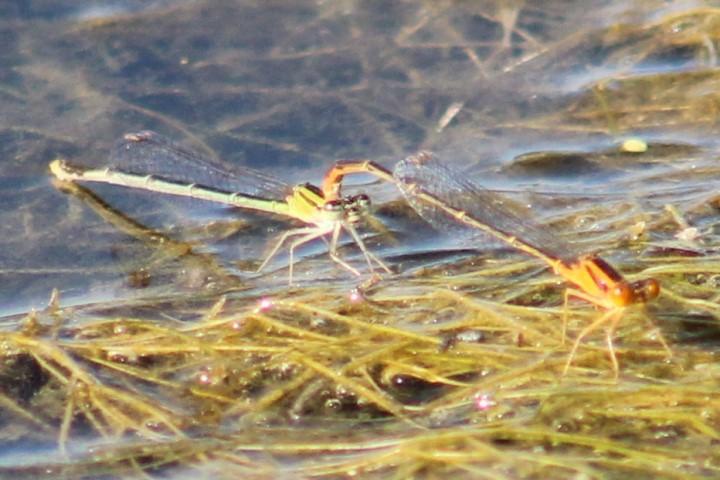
(148, 161)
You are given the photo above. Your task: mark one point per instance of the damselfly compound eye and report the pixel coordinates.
(646, 289)
(335, 206)
(362, 201)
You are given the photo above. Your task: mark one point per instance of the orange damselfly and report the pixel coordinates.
(439, 194)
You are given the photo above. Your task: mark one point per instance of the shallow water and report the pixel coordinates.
(291, 88)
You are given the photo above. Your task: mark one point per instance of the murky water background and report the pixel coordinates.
(534, 98)
(290, 87)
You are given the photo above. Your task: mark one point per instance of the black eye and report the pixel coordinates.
(361, 200)
(334, 206)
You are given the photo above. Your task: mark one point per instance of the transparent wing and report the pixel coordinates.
(423, 173)
(149, 153)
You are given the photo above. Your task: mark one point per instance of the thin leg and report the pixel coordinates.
(336, 258)
(566, 301)
(604, 318)
(310, 236)
(374, 257)
(611, 347)
(281, 241)
(577, 294)
(660, 337)
(334, 238)
(283, 238)
(369, 256)
(332, 251)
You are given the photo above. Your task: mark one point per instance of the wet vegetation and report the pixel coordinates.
(137, 341)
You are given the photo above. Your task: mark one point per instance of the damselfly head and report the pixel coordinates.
(361, 201)
(356, 207)
(623, 293)
(334, 209)
(646, 290)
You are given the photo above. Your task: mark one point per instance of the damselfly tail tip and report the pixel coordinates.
(56, 166)
(138, 136)
(61, 170)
